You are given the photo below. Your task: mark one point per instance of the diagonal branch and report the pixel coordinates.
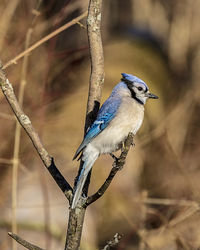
(117, 165)
(114, 242)
(24, 243)
(44, 39)
(25, 122)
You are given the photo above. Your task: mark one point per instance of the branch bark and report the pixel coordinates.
(97, 69)
(75, 227)
(97, 60)
(76, 216)
(114, 242)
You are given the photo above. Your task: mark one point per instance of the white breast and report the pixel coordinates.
(128, 119)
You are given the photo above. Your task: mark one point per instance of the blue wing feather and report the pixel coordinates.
(105, 116)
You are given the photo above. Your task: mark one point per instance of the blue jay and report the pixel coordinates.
(120, 114)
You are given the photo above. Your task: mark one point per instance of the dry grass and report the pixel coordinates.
(154, 200)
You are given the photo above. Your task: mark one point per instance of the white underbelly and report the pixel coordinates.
(125, 122)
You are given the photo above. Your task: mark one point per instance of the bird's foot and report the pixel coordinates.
(133, 144)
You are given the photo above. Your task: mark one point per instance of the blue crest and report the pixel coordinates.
(132, 79)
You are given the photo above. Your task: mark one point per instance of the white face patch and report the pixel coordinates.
(140, 91)
(140, 87)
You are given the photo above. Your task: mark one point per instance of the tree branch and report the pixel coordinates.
(25, 122)
(97, 60)
(97, 69)
(23, 242)
(117, 165)
(76, 216)
(114, 242)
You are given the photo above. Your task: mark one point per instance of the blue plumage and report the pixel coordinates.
(106, 113)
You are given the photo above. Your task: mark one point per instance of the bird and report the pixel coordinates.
(119, 115)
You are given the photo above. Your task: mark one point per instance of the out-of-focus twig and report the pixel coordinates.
(24, 243)
(117, 165)
(7, 116)
(6, 161)
(6, 18)
(44, 39)
(167, 202)
(17, 140)
(25, 122)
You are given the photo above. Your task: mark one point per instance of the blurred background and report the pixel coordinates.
(154, 200)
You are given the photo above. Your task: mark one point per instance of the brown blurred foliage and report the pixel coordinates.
(154, 200)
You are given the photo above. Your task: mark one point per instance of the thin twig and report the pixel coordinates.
(167, 202)
(24, 243)
(118, 164)
(44, 39)
(6, 161)
(7, 116)
(25, 122)
(114, 242)
(81, 25)
(6, 18)
(17, 138)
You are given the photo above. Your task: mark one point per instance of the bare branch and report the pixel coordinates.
(97, 60)
(76, 216)
(117, 165)
(44, 39)
(23, 242)
(25, 122)
(97, 69)
(114, 242)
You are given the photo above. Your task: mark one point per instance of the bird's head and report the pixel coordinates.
(138, 88)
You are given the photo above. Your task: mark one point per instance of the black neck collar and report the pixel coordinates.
(133, 95)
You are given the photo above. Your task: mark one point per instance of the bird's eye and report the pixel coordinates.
(140, 88)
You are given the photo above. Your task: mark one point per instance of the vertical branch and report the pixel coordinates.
(18, 135)
(97, 69)
(6, 18)
(75, 227)
(97, 60)
(76, 216)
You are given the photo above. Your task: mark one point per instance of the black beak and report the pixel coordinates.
(150, 95)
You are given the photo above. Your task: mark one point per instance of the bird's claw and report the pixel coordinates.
(133, 144)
